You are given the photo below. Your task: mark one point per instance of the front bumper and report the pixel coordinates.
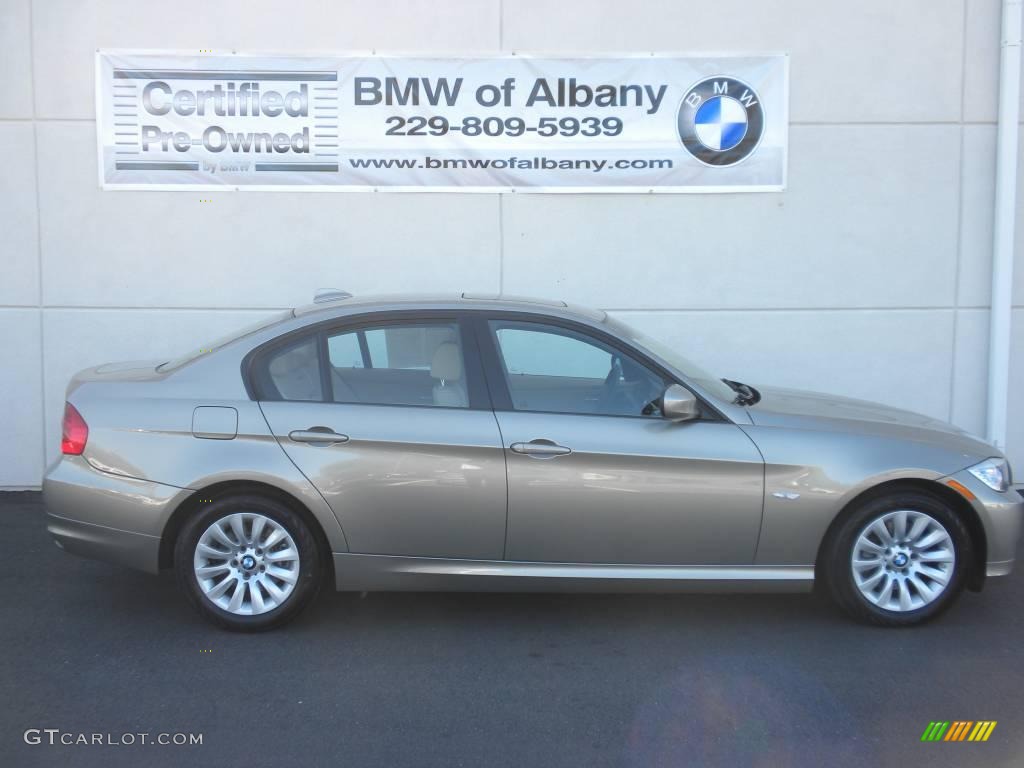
(104, 516)
(1001, 516)
(1001, 568)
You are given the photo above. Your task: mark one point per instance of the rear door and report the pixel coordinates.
(595, 475)
(390, 420)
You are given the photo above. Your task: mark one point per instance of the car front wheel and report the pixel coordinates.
(247, 563)
(898, 560)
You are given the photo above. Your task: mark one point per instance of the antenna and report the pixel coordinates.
(324, 295)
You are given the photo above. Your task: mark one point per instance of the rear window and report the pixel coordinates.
(223, 341)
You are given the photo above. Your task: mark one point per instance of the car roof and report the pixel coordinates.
(466, 300)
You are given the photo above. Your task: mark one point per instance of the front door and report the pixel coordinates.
(389, 422)
(595, 475)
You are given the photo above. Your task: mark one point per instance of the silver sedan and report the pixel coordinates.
(486, 443)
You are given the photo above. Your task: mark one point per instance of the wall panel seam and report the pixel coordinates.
(691, 310)
(959, 212)
(501, 243)
(144, 308)
(822, 123)
(956, 277)
(212, 308)
(39, 239)
(959, 259)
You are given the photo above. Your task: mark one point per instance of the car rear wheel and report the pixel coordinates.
(247, 563)
(898, 560)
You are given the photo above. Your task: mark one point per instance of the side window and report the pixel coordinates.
(398, 364)
(292, 372)
(530, 352)
(345, 352)
(555, 370)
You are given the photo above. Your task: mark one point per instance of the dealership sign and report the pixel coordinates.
(637, 123)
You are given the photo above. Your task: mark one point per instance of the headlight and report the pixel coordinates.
(995, 473)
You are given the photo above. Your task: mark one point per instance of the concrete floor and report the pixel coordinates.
(491, 680)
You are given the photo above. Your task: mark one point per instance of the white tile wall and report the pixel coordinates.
(969, 366)
(977, 196)
(15, 59)
(21, 407)
(19, 230)
(67, 33)
(981, 64)
(976, 230)
(867, 277)
(272, 249)
(1015, 418)
(869, 220)
(873, 60)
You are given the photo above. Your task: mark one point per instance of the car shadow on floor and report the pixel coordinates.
(460, 608)
(129, 593)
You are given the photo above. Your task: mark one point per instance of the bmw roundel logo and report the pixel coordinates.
(720, 121)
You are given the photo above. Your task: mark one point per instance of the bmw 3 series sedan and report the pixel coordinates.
(479, 442)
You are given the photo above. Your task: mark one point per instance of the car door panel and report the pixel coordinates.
(632, 490)
(425, 482)
(602, 478)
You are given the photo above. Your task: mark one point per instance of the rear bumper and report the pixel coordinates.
(104, 516)
(134, 550)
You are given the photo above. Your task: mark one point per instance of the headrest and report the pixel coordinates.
(447, 362)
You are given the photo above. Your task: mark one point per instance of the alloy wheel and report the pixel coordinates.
(246, 563)
(903, 560)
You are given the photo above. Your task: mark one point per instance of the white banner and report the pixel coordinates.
(643, 123)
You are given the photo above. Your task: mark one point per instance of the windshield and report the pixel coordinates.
(711, 383)
(224, 340)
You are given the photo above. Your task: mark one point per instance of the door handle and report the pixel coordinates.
(541, 449)
(317, 436)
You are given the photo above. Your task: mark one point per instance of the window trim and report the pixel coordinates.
(364, 349)
(323, 361)
(476, 387)
(494, 367)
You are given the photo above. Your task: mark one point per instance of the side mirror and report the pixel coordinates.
(679, 404)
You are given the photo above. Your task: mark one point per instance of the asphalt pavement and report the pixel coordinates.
(488, 680)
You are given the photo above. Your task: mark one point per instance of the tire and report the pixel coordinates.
(276, 582)
(915, 593)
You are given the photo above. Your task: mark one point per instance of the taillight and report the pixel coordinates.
(76, 432)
